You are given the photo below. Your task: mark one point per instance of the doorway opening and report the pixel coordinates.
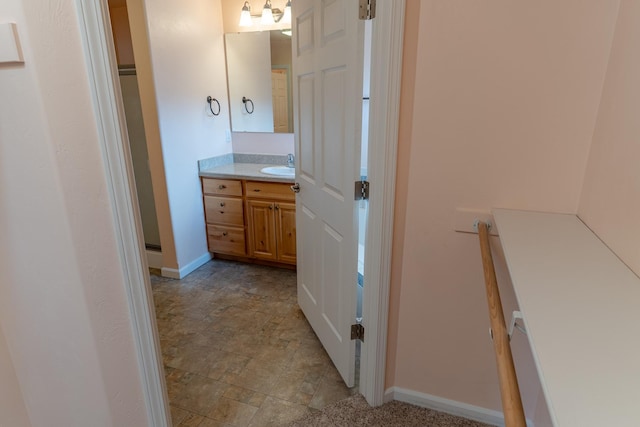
(139, 156)
(363, 205)
(386, 64)
(135, 129)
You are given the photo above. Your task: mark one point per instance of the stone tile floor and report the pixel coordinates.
(237, 350)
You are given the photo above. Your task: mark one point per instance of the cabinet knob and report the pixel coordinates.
(224, 233)
(257, 190)
(277, 206)
(295, 188)
(222, 204)
(221, 187)
(271, 206)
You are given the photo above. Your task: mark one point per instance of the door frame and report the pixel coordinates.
(386, 67)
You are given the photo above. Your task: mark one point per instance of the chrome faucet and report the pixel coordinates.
(290, 161)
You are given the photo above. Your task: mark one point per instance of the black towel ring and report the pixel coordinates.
(210, 100)
(246, 101)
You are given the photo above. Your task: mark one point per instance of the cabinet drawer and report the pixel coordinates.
(226, 240)
(270, 190)
(224, 187)
(224, 210)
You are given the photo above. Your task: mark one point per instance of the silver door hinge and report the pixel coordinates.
(357, 332)
(362, 190)
(367, 9)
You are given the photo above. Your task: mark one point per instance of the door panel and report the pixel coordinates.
(307, 255)
(328, 65)
(306, 114)
(332, 248)
(333, 144)
(303, 40)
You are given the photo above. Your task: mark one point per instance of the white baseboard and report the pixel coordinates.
(154, 259)
(448, 406)
(184, 271)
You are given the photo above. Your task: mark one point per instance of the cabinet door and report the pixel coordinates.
(286, 232)
(261, 229)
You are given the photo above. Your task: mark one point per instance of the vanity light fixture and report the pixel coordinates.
(245, 15)
(270, 16)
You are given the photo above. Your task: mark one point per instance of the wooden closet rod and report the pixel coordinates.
(509, 391)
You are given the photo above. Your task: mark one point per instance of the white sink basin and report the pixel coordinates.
(279, 171)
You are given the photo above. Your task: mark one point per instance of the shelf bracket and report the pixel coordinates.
(513, 324)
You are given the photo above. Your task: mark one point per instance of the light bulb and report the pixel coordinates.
(286, 18)
(267, 14)
(245, 15)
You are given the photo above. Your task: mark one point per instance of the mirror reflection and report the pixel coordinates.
(259, 81)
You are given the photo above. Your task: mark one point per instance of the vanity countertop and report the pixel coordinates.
(248, 171)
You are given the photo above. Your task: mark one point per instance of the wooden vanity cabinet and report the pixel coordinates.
(271, 223)
(224, 215)
(250, 219)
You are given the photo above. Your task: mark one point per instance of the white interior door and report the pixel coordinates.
(280, 100)
(328, 66)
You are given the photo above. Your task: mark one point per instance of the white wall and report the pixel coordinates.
(502, 112)
(12, 410)
(63, 309)
(610, 202)
(263, 143)
(186, 47)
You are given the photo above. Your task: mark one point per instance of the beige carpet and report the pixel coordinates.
(355, 411)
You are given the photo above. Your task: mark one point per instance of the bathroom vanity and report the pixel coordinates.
(249, 215)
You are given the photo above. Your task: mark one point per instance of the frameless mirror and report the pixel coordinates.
(259, 81)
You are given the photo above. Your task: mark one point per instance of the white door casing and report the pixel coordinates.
(328, 46)
(100, 57)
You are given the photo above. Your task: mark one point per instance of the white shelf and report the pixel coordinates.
(581, 308)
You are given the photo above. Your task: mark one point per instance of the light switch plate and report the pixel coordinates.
(10, 51)
(464, 220)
